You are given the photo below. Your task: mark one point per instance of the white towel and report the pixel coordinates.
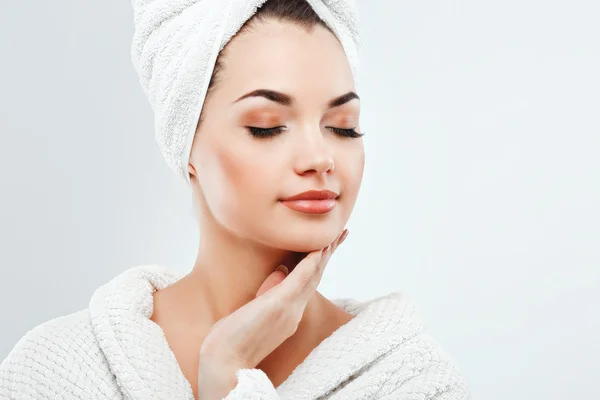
(175, 47)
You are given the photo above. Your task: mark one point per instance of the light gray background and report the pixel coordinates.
(480, 198)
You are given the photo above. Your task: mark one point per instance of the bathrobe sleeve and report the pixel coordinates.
(253, 384)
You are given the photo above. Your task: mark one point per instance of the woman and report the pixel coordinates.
(275, 163)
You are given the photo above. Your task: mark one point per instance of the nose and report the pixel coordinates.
(314, 156)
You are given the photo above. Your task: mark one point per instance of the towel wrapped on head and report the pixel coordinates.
(175, 48)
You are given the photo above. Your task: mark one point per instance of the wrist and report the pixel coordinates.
(216, 379)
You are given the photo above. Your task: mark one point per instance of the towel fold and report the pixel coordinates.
(174, 50)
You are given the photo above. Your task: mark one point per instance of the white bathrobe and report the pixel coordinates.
(112, 350)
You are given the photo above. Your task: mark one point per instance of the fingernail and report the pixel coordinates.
(283, 269)
(344, 235)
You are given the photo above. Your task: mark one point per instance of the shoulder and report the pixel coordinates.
(414, 364)
(421, 366)
(57, 358)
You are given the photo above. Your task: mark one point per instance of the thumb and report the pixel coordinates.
(273, 280)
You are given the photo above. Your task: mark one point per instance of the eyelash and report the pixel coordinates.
(269, 132)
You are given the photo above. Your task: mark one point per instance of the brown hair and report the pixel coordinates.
(298, 12)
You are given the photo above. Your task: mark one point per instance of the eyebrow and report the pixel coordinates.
(287, 100)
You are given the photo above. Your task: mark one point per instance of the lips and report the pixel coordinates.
(313, 195)
(312, 201)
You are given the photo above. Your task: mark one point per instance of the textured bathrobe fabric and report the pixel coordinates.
(112, 350)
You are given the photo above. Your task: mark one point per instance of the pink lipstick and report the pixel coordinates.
(312, 201)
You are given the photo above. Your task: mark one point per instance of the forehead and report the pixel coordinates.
(287, 57)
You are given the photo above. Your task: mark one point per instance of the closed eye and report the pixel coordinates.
(265, 132)
(269, 132)
(351, 133)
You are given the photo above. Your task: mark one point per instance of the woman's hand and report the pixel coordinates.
(249, 334)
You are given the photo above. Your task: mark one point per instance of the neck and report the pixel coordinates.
(229, 270)
(227, 275)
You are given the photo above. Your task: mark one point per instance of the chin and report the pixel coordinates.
(308, 238)
(295, 231)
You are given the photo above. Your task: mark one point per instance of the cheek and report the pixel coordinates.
(237, 185)
(351, 171)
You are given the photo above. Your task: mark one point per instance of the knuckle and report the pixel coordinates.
(278, 311)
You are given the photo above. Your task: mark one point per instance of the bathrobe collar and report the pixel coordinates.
(145, 367)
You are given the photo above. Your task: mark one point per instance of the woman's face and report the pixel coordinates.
(294, 89)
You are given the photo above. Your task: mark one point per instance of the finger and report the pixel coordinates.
(306, 275)
(300, 275)
(344, 236)
(274, 279)
(315, 279)
(336, 243)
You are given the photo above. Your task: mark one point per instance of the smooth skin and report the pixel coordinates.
(244, 338)
(234, 298)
